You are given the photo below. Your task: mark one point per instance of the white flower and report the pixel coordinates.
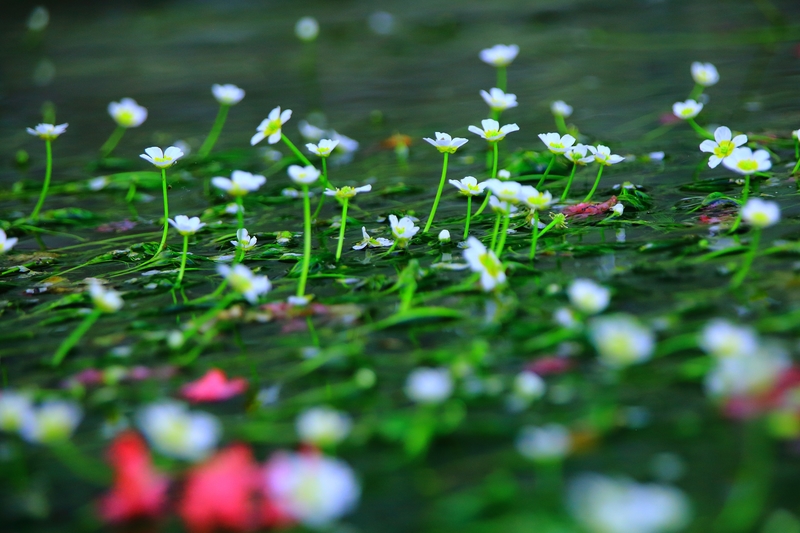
(499, 55)
(379, 242)
(618, 209)
(499, 206)
(429, 385)
(444, 236)
(106, 300)
(270, 127)
(620, 340)
(565, 317)
(311, 488)
(619, 505)
(704, 74)
(47, 132)
(6, 243)
(656, 156)
(176, 432)
(746, 374)
(309, 131)
(577, 154)
(686, 110)
(722, 339)
(303, 175)
(240, 183)
(492, 131)
(227, 94)
(535, 199)
(560, 108)
(346, 144)
(528, 385)
(186, 225)
(546, 443)
(244, 282)
(795, 134)
(244, 241)
(403, 229)
(556, 143)
(347, 192)
(160, 159)
(98, 184)
(588, 297)
(446, 144)
(506, 191)
(323, 426)
(468, 186)
(745, 161)
(761, 214)
(233, 208)
(503, 174)
(306, 29)
(486, 262)
(53, 421)
(15, 410)
(722, 146)
(127, 113)
(498, 100)
(324, 148)
(603, 156)
(299, 301)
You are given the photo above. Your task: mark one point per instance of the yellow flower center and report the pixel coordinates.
(273, 126)
(491, 265)
(125, 118)
(724, 149)
(747, 165)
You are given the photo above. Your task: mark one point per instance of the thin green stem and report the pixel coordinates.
(216, 129)
(501, 242)
(341, 230)
(301, 287)
(546, 172)
(745, 195)
(561, 124)
(438, 195)
(501, 78)
(47, 174)
(469, 216)
(326, 184)
(569, 182)
(208, 315)
(112, 141)
(700, 131)
(494, 176)
(75, 336)
(697, 92)
(166, 212)
(748, 260)
(240, 212)
(596, 183)
(131, 194)
(534, 234)
(294, 149)
(796, 156)
(183, 260)
(496, 230)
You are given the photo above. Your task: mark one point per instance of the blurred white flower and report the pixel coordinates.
(227, 94)
(244, 241)
(468, 186)
(52, 421)
(127, 113)
(323, 426)
(536, 200)
(722, 339)
(429, 385)
(603, 156)
(588, 297)
(306, 29)
(560, 108)
(240, 183)
(498, 100)
(176, 432)
(745, 161)
(760, 213)
(485, 262)
(244, 282)
(746, 374)
(545, 443)
(303, 175)
(324, 148)
(528, 385)
(6, 243)
(556, 143)
(499, 55)
(47, 132)
(577, 154)
(15, 409)
(686, 110)
(106, 300)
(704, 74)
(620, 340)
(270, 127)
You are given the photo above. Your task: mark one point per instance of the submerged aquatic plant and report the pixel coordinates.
(48, 133)
(127, 114)
(446, 145)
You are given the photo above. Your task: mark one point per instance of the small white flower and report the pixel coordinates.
(323, 426)
(534, 199)
(620, 340)
(429, 385)
(15, 410)
(176, 432)
(306, 29)
(565, 317)
(722, 339)
(309, 131)
(311, 488)
(244, 241)
(300, 301)
(468, 186)
(506, 191)
(796, 134)
(618, 209)
(47, 132)
(227, 94)
(656, 156)
(6, 243)
(446, 144)
(240, 183)
(500, 206)
(588, 297)
(493, 274)
(746, 374)
(556, 143)
(498, 100)
(244, 282)
(270, 127)
(444, 236)
(603, 156)
(186, 225)
(503, 174)
(346, 144)
(98, 184)
(577, 154)
(347, 192)
(723, 145)
(686, 110)
(106, 300)
(53, 421)
(704, 74)
(528, 385)
(546, 443)
(371, 242)
(324, 148)
(303, 175)
(560, 108)
(492, 131)
(745, 161)
(403, 229)
(160, 159)
(127, 113)
(233, 209)
(760, 213)
(500, 55)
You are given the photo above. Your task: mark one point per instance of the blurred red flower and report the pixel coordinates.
(213, 387)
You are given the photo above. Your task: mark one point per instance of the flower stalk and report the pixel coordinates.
(546, 172)
(494, 176)
(748, 260)
(438, 195)
(47, 174)
(301, 287)
(745, 195)
(569, 182)
(469, 216)
(112, 141)
(216, 129)
(184, 253)
(699, 129)
(341, 229)
(596, 183)
(75, 336)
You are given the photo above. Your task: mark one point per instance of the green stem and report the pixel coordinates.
(301, 287)
(700, 131)
(131, 194)
(208, 315)
(112, 142)
(494, 175)
(341, 230)
(796, 156)
(438, 195)
(240, 212)
(47, 173)
(501, 78)
(748, 260)
(596, 183)
(496, 230)
(534, 235)
(561, 124)
(183, 260)
(75, 336)
(326, 184)
(216, 129)
(745, 195)
(294, 149)
(501, 243)
(569, 182)
(697, 92)
(469, 215)
(546, 172)
(166, 212)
